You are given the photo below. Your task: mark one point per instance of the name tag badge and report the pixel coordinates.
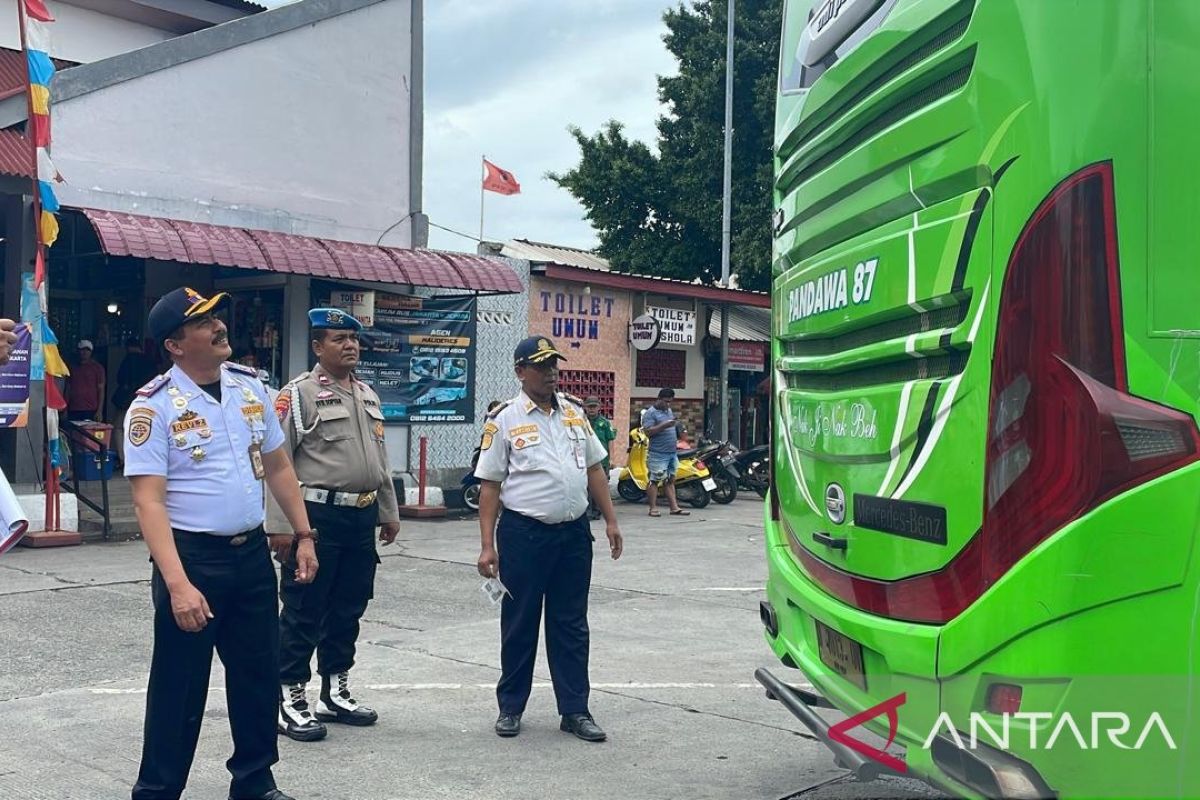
(527, 440)
(580, 456)
(256, 462)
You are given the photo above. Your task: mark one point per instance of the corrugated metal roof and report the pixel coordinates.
(15, 157)
(540, 251)
(201, 243)
(12, 71)
(746, 324)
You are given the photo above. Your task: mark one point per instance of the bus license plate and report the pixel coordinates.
(709, 484)
(841, 654)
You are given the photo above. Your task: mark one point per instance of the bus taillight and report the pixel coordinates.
(1064, 434)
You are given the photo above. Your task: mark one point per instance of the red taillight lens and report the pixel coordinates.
(1063, 434)
(1003, 698)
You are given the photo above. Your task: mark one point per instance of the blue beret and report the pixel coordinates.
(333, 319)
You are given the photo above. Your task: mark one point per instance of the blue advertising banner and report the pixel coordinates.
(418, 354)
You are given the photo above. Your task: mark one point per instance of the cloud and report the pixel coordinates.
(507, 79)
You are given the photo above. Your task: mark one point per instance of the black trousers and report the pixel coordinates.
(550, 563)
(324, 615)
(239, 585)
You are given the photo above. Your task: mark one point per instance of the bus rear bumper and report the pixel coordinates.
(982, 771)
(801, 703)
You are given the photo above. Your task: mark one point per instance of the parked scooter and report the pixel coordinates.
(755, 467)
(720, 458)
(692, 480)
(470, 490)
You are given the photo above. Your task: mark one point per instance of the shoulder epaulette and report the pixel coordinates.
(154, 385)
(571, 399)
(495, 412)
(242, 368)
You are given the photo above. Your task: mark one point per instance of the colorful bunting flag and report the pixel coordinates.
(36, 9)
(48, 230)
(41, 72)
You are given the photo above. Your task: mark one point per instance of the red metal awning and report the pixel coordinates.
(201, 243)
(16, 157)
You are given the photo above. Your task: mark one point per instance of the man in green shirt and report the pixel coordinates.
(605, 433)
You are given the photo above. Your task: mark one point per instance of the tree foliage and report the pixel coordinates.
(659, 212)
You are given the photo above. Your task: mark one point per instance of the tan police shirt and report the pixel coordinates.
(540, 460)
(335, 438)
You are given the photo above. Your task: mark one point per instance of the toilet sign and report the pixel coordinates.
(644, 332)
(360, 305)
(676, 326)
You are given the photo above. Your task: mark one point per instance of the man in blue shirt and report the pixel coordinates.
(659, 424)
(200, 440)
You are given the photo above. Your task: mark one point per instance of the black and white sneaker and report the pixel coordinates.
(336, 704)
(295, 719)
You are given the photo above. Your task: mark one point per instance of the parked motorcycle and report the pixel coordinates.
(693, 483)
(721, 460)
(470, 490)
(755, 467)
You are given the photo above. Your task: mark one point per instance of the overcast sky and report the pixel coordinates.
(506, 78)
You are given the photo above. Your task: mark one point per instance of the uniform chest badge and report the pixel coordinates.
(248, 395)
(324, 394)
(526, 441)
(198, 454)
(379, 431)
(188, 421)
(173, 391)
(253, 412)
(180, 403)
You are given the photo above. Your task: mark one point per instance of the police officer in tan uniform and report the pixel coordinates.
(335, 435)
(539, 460)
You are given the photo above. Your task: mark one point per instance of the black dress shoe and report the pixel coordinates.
(583, 726)
(274, 794)
(508, 725)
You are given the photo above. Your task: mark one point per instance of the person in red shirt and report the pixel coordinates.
(85, 386)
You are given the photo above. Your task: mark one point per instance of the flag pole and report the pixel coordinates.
(50, 478)
(482, 159)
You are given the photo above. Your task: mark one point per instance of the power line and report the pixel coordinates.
(456, 233)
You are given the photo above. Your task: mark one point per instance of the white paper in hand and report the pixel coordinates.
(13, 522)
(494, 591)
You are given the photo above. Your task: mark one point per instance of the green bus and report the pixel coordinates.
(981, 533)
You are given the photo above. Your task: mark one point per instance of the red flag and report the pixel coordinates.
(40, 126)
(36, 9)
(54, 398)
(39, 270)
(500, 181)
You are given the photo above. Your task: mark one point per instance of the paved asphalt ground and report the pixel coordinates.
(675, 642)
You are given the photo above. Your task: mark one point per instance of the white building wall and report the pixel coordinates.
(287, 133)
(82, 35)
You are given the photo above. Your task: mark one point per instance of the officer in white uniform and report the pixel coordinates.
(539, 459)
(201, 440)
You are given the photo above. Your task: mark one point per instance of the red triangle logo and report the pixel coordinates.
(838, 732)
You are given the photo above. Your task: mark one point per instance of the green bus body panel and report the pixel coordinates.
(920, 156)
